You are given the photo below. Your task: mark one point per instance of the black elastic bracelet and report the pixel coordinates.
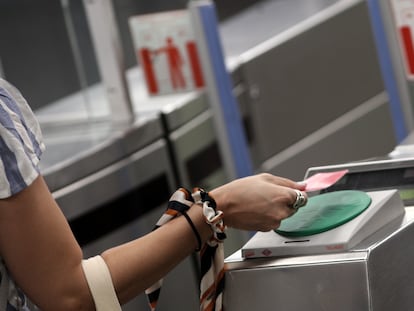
(194, 230)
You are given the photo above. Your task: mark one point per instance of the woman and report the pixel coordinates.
(42, 261)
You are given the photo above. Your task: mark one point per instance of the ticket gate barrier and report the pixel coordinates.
(363, 263)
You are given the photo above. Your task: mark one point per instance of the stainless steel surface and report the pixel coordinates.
(293, 287)
(375, 278)
(252, 27)
(351, 137)
(381, 163)
(74, 151)
(374, 275)
(114, 180)
(183, 112)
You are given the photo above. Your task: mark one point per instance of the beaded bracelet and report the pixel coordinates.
(212, 216)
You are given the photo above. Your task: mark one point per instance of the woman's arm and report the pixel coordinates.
(40, 250)
(45, 259)
(257, 202)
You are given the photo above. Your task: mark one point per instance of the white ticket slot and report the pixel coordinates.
(384, 213)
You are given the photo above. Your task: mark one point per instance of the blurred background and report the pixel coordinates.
(305, 74)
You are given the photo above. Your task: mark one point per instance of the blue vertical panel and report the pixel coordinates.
(228, 103)
(387, 70)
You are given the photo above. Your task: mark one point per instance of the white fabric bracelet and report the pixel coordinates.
(100, 284)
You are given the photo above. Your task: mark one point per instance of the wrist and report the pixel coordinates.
(204, 230)
(212, 215)
(221, 198)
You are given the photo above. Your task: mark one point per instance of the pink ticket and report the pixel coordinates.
(321, 181)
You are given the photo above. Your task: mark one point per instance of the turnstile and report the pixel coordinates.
(363, 264)
(376, 276)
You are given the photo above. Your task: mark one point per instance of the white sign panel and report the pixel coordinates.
(403, 11)
(167, 52)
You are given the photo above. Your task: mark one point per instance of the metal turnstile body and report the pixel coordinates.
(377, 275)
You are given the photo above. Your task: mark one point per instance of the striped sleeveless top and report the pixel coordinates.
(20, 142)
(20, 149)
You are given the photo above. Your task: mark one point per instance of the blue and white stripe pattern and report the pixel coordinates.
(11, 296)
(20, 142)
(20, 149)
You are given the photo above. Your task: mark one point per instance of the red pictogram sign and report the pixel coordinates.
(403, 11)
(167, 52)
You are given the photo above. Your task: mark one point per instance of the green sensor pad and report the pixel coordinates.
(324, 212)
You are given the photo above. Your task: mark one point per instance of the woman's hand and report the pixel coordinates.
(257, 203)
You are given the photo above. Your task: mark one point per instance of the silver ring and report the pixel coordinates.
(300, 200)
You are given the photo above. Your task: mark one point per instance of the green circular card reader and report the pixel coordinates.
(324, 212)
